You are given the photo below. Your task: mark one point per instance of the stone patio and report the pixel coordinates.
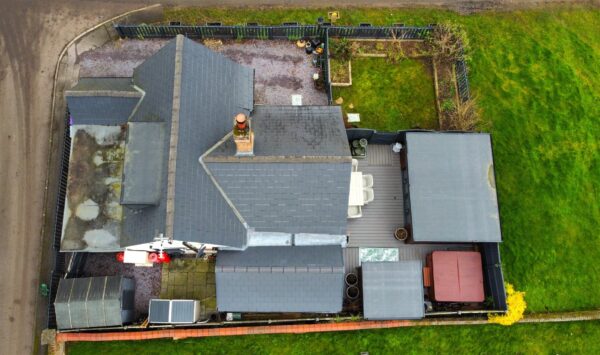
(190, 278)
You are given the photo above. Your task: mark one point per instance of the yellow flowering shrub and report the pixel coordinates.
(515, 301)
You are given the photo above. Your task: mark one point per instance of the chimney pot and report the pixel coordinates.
(243, 135)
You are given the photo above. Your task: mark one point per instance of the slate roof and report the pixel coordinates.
(155, 77)
(103, 84)
(102, 101)
(294, 131)
(211, 90)
(280, 279)
(298, 179)
(288, 197)
(393, 290)
(452, 187)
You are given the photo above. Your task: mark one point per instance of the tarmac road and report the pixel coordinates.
(32, 34)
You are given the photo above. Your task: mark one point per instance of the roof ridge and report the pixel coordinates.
(216, 183)
(333, 159)
(174, 138)
(100, 92)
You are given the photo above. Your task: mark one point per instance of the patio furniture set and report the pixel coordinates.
(361, 191)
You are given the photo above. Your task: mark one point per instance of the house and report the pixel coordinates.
(178, 158)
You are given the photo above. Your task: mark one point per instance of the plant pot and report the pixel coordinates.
(351, 279)
(308, 48)
(401, 234)
(363, 142)
(352, 292)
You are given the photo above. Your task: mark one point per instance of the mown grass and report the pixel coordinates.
(390, 96)
(545, 338)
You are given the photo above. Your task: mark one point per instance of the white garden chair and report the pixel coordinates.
(354, 212)
(367, 180)
(368, 195)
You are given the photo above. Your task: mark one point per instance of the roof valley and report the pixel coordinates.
(170, 207)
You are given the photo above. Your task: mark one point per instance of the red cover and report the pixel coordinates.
(457, 276)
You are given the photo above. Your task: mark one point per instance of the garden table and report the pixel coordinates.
(356, 189)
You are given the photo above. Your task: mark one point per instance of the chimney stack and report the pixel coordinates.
(243, 135)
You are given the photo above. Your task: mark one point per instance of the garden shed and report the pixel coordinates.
(92, 302)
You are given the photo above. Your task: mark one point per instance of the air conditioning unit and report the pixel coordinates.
(174, 311)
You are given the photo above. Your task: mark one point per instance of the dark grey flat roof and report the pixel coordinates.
(393, 290)
(144, 163)
(280, 279)
(452, 187)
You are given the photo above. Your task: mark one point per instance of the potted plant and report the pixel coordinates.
(401, 234)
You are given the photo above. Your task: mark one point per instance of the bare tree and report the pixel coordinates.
(448, 42)
(464, 117)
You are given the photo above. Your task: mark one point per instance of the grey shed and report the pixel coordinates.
(280, 279)
(93, 302)
(393, 290)
(451, 187)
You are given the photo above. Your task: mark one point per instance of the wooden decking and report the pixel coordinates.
(375, 229)
(382, 216)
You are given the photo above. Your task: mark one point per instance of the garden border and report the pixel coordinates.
(295, 31)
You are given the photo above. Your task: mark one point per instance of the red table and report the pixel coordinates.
(457, 276)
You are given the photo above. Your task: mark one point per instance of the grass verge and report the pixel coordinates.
(543, 338)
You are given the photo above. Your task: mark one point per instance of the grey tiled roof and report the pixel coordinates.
(288, 197)
(155, 77)
(102, 101)
(295, 131)
(298, 179)
(452, 188)
(104, 84)
(144, 164)
(212, 90)
(280, 279)
(101, 110)
(393, 290)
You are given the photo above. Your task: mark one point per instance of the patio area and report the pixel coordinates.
(191, 279)
(381, 217)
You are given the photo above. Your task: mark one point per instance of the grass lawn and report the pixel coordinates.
(546, 338)
(389, 96)
(536, 75)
